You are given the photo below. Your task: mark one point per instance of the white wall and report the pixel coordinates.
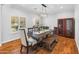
(6, 22)
(66, 14)
(77, 25)
(51, 20)
(0, 24)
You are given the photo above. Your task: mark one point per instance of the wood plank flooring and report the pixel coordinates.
(64, 46)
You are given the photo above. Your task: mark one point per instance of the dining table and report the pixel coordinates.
(41, 37)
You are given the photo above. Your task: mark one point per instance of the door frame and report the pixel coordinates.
(1, 5)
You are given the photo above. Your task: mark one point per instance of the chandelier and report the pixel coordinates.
(44, 11)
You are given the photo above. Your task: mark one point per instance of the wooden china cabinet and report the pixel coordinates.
(66, 27)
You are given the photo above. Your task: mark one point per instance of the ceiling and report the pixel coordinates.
(51, 8)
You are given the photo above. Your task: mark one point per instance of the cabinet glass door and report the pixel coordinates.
(60, 27)
(69, 27)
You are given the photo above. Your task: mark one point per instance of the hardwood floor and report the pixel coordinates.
(64, 46)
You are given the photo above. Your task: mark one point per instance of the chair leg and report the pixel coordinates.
(27, 49)
(21, 49)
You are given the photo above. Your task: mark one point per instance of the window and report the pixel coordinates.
(22, 22)
(17, 23)
(14, 23)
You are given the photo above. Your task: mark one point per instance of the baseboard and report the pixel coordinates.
(0, 44)
(10, 40)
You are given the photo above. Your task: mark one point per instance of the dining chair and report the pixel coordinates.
(26, 41)
(30, 31)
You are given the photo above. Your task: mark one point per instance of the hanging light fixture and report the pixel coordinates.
(44, 11)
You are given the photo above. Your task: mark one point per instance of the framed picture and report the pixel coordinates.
(14, 23)
(22, 23)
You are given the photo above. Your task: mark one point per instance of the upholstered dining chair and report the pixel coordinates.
(26, 41)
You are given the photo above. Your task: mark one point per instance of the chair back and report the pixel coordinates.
(30, 31)
(24, 37)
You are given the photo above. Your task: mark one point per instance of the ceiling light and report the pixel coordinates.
(44, 11)
(61, 7)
